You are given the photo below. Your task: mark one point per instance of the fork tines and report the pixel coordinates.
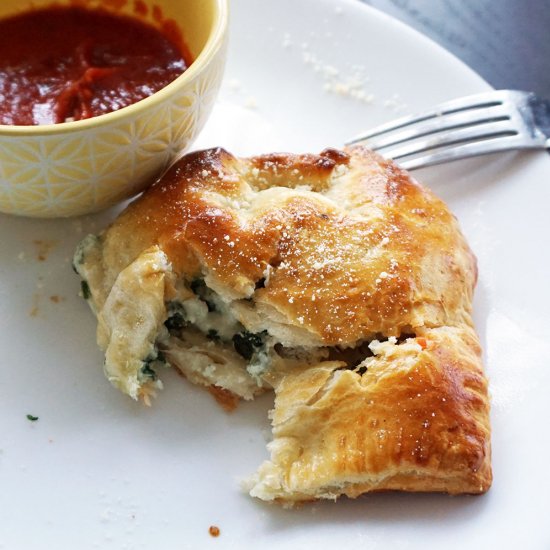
(469, 126)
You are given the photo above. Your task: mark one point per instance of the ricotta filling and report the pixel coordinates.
(213, 318)
(206, 312)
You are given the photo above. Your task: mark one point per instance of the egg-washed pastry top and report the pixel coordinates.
(335, 280)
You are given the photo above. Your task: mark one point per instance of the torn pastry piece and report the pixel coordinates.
(413, 417)
(334, 275)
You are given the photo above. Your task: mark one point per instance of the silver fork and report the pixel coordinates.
(501, 120)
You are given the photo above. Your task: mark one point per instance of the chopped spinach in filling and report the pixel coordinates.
(247, 343)
(89, 242)
(213, 334)
(209, 297)
(147, 373)
(176, 317)
(253, 347)
(85, 289)
(206, 311)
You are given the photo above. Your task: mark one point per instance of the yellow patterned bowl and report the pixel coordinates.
(84, 166)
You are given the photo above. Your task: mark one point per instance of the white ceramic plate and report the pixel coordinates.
(100, 471)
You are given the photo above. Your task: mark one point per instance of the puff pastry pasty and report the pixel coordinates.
(334, 279)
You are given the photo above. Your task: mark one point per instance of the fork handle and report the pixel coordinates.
(541, 113)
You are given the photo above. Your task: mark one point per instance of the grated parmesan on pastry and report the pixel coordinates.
(335, 280)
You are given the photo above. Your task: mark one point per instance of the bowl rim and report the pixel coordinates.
(213, 44)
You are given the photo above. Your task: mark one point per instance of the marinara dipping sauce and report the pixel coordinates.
(61, 64)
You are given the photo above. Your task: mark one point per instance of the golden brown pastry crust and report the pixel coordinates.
(328, 251)
(366, 251)
(416, 420)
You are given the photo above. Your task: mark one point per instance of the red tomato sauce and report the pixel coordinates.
(61, 64)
